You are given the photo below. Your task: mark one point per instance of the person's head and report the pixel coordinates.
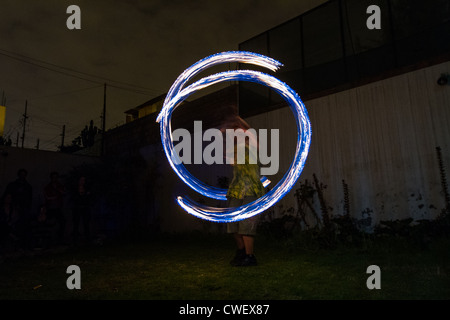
(233, 121)
(22, 174)
(237, 134)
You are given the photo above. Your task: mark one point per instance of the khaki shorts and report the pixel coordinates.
(246, 226)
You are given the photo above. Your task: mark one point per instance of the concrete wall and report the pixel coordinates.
(380, 138)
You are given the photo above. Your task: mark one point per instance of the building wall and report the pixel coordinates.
(210, 109)
(380, 138)
(158, 185)
(150, 109)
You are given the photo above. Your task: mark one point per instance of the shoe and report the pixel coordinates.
(248, 261)
(239, 256)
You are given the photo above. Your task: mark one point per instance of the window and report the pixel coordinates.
(330, 47)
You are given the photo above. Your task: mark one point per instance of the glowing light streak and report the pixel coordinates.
(177, 95)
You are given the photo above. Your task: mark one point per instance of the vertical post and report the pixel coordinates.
(37, 144)
(344, 53)
(24, 122)
(17, 139)
(62, 137)
(103, 121)
(392, 33)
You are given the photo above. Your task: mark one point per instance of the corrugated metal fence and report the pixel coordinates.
(379, 138)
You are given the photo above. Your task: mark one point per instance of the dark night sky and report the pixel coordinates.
(140, 46)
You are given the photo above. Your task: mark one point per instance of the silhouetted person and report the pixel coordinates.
(9, 218)
(21, 196)
(54, 201)
(81, 209)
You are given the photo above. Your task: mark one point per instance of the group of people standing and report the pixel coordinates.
(23, 227)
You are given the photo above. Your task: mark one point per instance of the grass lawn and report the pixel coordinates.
(197, 267)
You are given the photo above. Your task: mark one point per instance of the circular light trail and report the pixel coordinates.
(177, 94)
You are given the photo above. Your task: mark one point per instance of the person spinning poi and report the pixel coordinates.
(245, 187)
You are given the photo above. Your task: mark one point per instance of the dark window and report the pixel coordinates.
(322, 35)
(368, 51)
(421, 29)
(257, 44)
(254, 98)
(285, 45)
(330, 48)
